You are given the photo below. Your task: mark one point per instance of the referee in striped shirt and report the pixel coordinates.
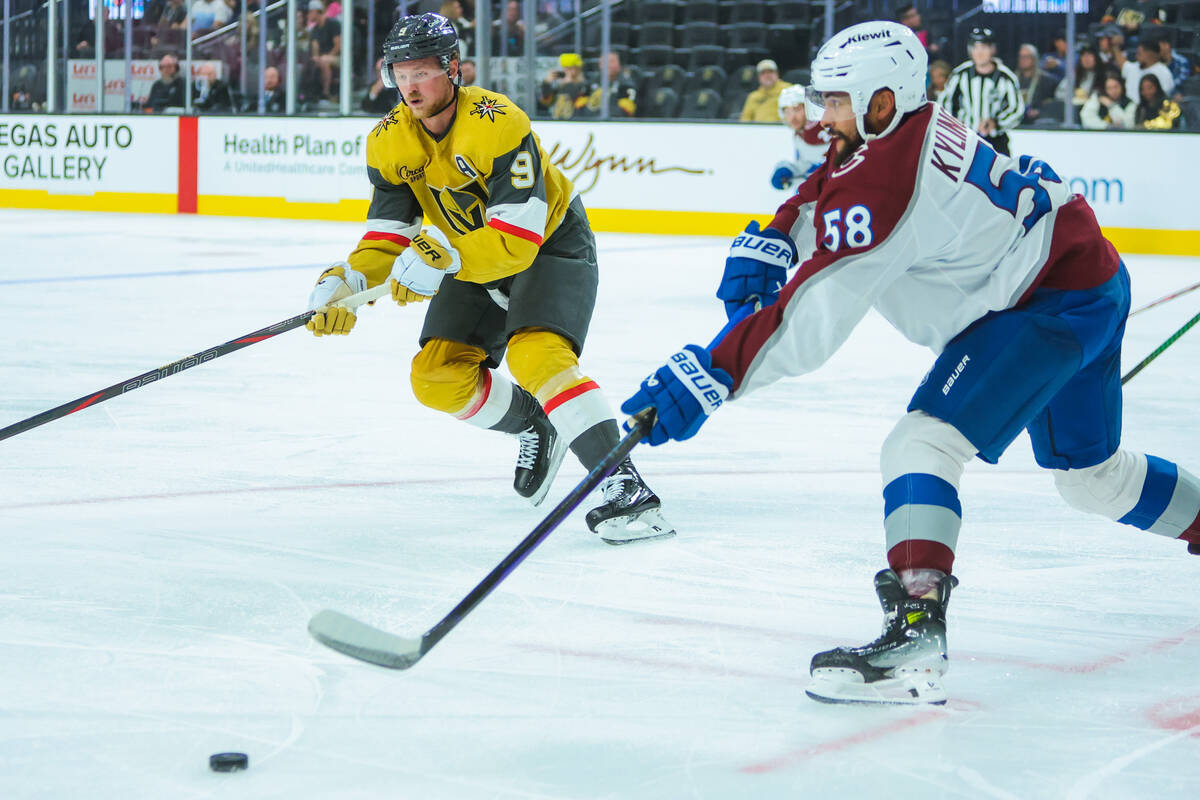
(984, 93)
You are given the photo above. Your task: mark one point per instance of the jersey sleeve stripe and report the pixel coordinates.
(522, 233)
(399, 239)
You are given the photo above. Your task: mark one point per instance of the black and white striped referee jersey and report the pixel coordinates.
(972, 97)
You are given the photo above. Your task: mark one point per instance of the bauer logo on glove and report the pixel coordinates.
(418, 271)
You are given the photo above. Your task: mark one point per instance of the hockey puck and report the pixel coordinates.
(228, 762)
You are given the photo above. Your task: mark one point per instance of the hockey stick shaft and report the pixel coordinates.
(641, 424)
(1170, 341)
(366, 643)
(175, 367)
(1162, 300)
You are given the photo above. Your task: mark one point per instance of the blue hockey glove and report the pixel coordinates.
(756, 268)
(785, 173)
(684, 391)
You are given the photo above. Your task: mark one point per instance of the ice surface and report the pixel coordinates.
(163, 551)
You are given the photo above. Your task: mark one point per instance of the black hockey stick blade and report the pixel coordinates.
(175, 367)
(359, 640)
(374, 646)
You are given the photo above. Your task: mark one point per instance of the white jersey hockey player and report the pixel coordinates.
(809, 140)
(993, 264)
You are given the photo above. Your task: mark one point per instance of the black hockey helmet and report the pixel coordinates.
(983, 35)
(419, 36)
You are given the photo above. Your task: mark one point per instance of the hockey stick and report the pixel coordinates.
(366, 643)
(1170, 341)
(175, 367)
(1162, 300)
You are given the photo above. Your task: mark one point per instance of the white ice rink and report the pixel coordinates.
(162, 552)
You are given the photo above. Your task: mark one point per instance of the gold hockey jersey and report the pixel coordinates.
(485, 183)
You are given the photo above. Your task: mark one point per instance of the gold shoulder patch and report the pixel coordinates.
(489, 107)
(389, 119)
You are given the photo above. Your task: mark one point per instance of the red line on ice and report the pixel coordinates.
(844, 743)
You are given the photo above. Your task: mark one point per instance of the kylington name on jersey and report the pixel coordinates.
(950, 139)
(57, 168)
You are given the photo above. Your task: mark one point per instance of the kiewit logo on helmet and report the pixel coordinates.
(866, 37)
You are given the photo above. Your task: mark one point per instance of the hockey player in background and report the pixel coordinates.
(809, 140)
(509, 262)
(992, 263)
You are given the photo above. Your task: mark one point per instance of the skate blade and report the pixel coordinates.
(556, 458)
(647, 526)
(847, 686)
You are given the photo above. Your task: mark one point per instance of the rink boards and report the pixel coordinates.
(670, 178)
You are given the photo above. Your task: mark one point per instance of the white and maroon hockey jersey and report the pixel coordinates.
(931, 227)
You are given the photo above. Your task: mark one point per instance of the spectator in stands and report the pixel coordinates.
(623, 102)
(1036, 86)
(1110, 109)
(114, 37)
(211, 93)
(467, 71)
(1115, 50)
(1054, 63)
(333, 10)
(21, 100)
(1179, 67)
(326, 45)
(209, 14)
(983, 93)
(453, 11)
(1104, 42)
(908, 16)
(508, 33)
(1087, 79)
(939, 73)
(762, 105)
(1148, 63)
(379, 99)
(1156, 111)
(167, 91)
(173, 15)
(274, 100)
(564, 91)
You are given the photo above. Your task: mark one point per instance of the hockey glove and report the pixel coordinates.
(756, 268)
(684, 392)
(337, 282)
(785, 173)
(418, 271)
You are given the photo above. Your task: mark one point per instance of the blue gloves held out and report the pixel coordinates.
(684, 391)
(785, 173)
(756, 268)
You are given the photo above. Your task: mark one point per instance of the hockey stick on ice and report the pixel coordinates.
(1170, 341)
(366, 643)
(174, 367)
(1162, 300)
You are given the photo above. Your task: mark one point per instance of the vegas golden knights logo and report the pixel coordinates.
(462, 206)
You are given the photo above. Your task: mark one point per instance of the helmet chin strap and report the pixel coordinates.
(453, 99)
(860, 119)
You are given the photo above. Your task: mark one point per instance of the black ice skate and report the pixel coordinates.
(630, 511)
(904, 665)
(542, 451)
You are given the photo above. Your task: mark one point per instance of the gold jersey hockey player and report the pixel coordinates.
(507, 261)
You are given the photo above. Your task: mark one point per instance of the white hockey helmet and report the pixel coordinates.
(865, 58)
(791, 96)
